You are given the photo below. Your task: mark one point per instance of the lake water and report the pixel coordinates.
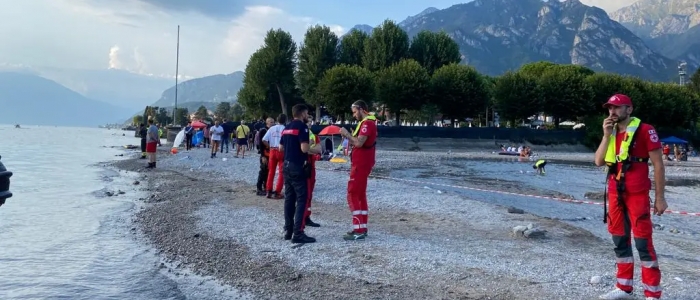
(60, 238)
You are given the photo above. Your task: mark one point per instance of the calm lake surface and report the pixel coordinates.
(61, 238)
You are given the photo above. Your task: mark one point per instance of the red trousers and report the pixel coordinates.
(623, 221)
(357, 195)
(275, 164)
(311, 185)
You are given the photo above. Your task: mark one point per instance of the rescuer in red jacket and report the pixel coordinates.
(626, 148)
(362, 140)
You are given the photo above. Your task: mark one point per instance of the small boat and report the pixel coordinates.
(509, 153)
(17, 126)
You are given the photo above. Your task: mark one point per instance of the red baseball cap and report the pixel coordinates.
(618, 100)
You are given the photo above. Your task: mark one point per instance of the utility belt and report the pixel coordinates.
(618, 174)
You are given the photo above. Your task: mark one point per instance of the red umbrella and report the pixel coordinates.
(330, 130)
(198, 124)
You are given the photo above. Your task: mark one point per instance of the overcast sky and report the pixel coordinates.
(217, 36)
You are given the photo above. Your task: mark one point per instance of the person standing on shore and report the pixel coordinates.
(152, 143)
(143, 133)
(295, 146)
(216, 133)
(264, 152)
(226, 135)
(362, 158)
(271, 139)
(189, 133)
(626, 148)
(315, 150)
(242, 132)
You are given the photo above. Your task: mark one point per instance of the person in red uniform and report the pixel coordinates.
(630, 214)
(314, 143)
(362, 159)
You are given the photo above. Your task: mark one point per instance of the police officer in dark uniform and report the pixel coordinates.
(295, 145)
(143, 132)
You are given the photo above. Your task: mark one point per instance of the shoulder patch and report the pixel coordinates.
(653, 137)
(364, 129)
(652, 131)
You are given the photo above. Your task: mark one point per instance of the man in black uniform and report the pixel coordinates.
(264, 152)
(295, 146)
(143, 132)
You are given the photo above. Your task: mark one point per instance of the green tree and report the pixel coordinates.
(149, 113)
(136, 120)
(273, 66)
(344, 84)
(222, 110)
(183, 116)
(517, 97)
(695, 81)
(257, 100)
(459, 91)
(163, 116)
(434, 49)
(352, 48)
(404, 85)
(317, 54)
(387, 45)
(536, 69)
(236, 113)
(201, 113)
(605, 85)
(566, 94)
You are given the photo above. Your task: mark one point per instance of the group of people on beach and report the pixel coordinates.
(290, 150)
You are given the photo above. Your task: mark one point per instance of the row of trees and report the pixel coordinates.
(422, 77)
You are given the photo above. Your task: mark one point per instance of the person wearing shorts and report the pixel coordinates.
(242, 132)
(152, 143)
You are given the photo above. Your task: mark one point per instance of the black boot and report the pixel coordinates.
(287, 235)
(150, 166)
(302, 238)
(311, 223)
(154, 165)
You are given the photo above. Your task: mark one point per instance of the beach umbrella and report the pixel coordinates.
(330, 130)
(198, 124)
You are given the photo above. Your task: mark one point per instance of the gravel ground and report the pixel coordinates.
(202, 215)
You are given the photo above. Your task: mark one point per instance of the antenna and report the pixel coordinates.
(177, 65)
(681, 72)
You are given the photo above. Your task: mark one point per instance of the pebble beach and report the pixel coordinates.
(443, 225)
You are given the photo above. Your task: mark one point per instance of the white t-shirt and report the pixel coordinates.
(273, 135)
(216, 132)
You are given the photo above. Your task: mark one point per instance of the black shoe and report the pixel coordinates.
(302, 238)
(260, 193)
(154, 165)
(287, 235)
(150, 166)
(269, 195)
(311, 223)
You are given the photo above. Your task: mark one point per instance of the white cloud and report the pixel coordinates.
(114, 62)
(131, 35)
(247, 32)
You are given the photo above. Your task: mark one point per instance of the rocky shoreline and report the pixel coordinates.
(202, 215)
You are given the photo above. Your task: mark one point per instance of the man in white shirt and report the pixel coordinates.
(216, 132)
(272, 141)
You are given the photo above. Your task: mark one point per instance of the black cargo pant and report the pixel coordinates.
(295, 196)
(262, 174)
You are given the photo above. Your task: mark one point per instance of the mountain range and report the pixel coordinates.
(500, 35)
(647, 39)
(30, 99)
